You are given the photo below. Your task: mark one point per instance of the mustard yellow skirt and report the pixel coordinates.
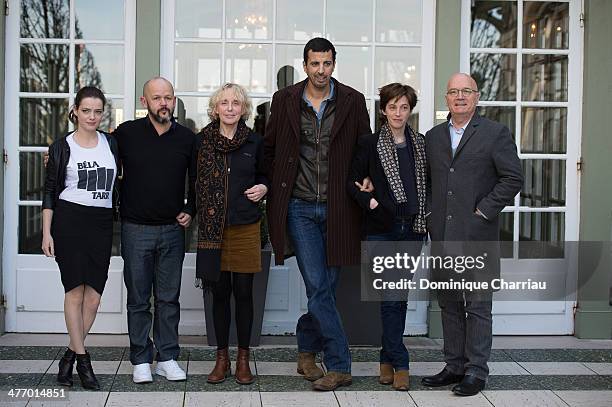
(241, 249)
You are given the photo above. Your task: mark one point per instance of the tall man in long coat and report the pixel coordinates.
(474, 172)
(308, 146)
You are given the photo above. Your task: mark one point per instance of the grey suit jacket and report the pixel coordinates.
(485, 173)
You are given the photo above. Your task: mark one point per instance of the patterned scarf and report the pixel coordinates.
(211, 197)
(388, 157)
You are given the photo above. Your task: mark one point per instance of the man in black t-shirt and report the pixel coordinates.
(156, 154)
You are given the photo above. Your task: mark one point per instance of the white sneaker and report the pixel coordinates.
(142, 373)
(170, 370)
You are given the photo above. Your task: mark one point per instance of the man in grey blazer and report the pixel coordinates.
(474, 171)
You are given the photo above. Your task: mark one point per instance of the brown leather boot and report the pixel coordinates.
(222, 367)
(401, 380)
(307, 366)
(386, 373)
(332, 380)
(243, 370)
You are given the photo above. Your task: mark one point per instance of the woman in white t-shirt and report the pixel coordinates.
(78, 223)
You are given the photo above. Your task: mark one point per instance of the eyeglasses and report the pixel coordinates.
(465, 92)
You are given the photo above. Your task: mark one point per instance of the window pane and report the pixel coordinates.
(502, 114)
(495, 75)
(493, 24)
(42, 120)
(349, 20)
(192, 112)
(394, 64)
(289, 65)
(299, 20)
(545, 24)
(30, 230)
(31, 176)
(353, 67)
(261, 114)
(545, 78)
(45, 19)
(249, 65)
(89, 14)
(399, 20)
(544, 183)
(545, 227)
(44, 68)
(194, 20)
(197, 67)
(100, 66)
(544, 130)
(262, 104)
(249, 19)
(113, 115)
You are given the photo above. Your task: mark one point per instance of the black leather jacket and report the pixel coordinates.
(55, 180)
(311, 181)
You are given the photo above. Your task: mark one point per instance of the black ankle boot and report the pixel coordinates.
(85, 371)
(64, 375)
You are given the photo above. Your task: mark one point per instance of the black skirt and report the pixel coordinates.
(83, 237)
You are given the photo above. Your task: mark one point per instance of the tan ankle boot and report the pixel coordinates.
(386, 373)
(307, 366)
(243, 370)
(221, 370)
(401, 380)
(332, 380)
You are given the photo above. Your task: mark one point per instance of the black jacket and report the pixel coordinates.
(245, 166)
(313, 165)
(55, 179)
(485, 174)
(366, 163)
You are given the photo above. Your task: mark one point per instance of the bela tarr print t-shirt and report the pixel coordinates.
(90, 174)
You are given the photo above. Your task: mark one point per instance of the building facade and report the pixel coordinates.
(542, 67)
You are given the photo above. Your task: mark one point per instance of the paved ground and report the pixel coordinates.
(525, 371)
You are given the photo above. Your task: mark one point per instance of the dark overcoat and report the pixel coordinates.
(281, 152)
(485, 173)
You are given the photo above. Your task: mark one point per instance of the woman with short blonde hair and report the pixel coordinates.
(230, 183)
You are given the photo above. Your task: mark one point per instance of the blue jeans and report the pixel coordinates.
(153, 259)
(320, 329)
(393, 313)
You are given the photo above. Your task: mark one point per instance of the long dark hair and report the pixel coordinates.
(85, 92)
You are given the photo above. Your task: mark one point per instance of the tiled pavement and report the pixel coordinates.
(577, 376)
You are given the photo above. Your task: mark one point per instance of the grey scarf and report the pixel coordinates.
(390, 163)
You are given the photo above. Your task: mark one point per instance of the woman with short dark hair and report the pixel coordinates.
(394, 159)
(78, 223)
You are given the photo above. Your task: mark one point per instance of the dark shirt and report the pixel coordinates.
(405, 156)
(245, 169)
(154, 172)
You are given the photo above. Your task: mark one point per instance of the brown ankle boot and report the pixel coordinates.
(332, 380)
(307, 366)
(222, 367)
(243, 370)
(401, 380)
(386, 373)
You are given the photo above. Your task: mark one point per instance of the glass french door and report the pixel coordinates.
(259, 45)
(54, 48)
(526, 58)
